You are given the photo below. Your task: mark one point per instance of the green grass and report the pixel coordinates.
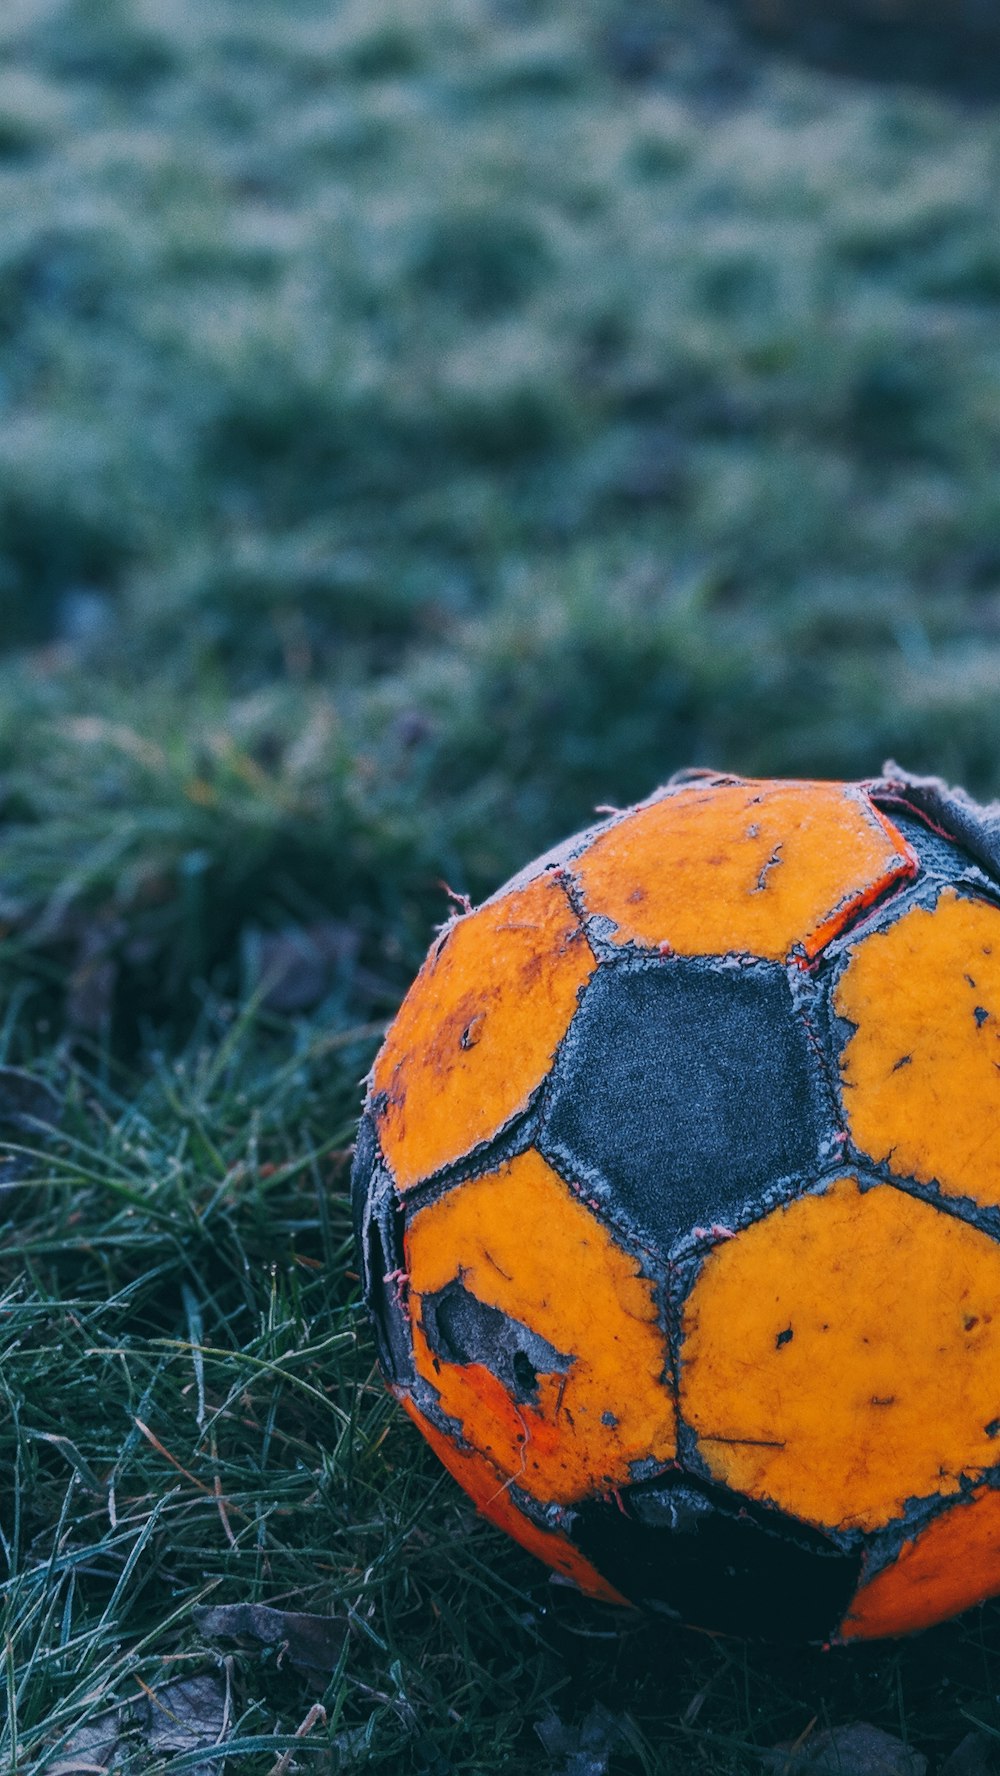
(418, 425)
(190, 1414)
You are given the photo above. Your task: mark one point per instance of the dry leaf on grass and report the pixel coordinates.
(313, 1644)
(854, 1750)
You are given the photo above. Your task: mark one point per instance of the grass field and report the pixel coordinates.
(420, 423)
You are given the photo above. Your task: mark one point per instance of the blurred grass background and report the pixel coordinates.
(419, 423)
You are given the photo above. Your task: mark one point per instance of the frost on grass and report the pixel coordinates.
(416, 429)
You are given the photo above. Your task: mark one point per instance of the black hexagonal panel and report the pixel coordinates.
(713, 1559)
(682, 1090)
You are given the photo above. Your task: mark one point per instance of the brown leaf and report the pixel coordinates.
(313, 1644)
(92, 1747)
(854, 1750)
(190, 1714)
(185, 1715)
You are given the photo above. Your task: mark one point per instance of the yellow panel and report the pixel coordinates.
(520, 1241)
(949, 1566)
(921, 1074)
(477, 1031)
(843, 1356)
(759, 867)
(490, 1496)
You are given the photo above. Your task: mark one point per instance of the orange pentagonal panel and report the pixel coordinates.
(477, 1031)
(921, 1074)
(518, 1243)
(489, 1493)
(947, 1567)
(759, 867)
(843, 1355)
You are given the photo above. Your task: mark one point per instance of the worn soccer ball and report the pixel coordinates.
(678, 1200)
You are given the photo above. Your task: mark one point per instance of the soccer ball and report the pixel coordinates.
(677, 1193)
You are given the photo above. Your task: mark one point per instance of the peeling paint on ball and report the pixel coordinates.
(678, 1205)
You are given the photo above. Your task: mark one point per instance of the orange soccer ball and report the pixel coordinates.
(678, 1200)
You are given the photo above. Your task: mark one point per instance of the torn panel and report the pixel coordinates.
(461, 1329)
(521, 1243)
